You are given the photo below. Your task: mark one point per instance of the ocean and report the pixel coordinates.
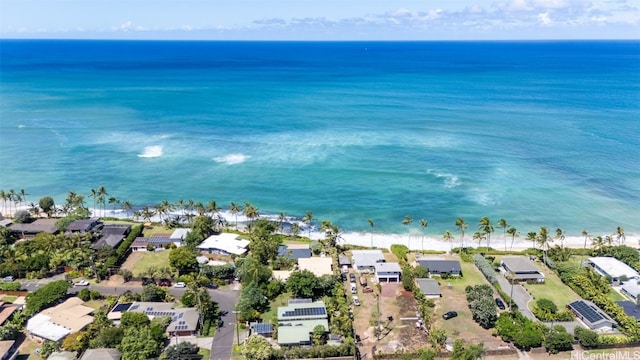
(540, 133)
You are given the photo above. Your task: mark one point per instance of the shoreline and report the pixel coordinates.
(414, 241)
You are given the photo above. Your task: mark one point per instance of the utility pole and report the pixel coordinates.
(237, 328)
(378, 327)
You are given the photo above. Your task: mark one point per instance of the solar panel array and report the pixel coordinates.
(160, 313)
(262, 328)
(121, 307)
(305, 312)
(182, 327)
(587, 311)
(300, 301)
(134, 307)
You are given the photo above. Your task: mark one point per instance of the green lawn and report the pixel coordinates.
(157, 259)
(272, 315)
(8, 298)
(155, 230)
(552, 289)
(205, 353)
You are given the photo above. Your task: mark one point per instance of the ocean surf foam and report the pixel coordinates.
(151, 152)
(231, 159)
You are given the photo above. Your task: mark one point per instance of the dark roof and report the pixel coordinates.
(154, 240)
(38, 226)
(116, 229)
(429, 286)
(108, 240)
(590, 313)
(519, 264)
(83, 224)
(262, 328)
(101, 354)
(630, 308)
(284, 251)
(441, 266)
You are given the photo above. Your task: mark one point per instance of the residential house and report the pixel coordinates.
(8, 350)
(631, 289)
(387, 272)
(591, 315)
(294, 251)
(439, 266)
(178, 236)
(317, 265)
(630, 308)
(429, 288)
(30, 230)
(365, 260)
(6, 311)
(184, 321)
(101, 354)
(297, 321)
(62, 355)
(613, 268)
(224, 244)
(83, 225)
(521, 268)
(343, 260)
(156, 242)
(55, 323)
(112, 235)
(5, 222)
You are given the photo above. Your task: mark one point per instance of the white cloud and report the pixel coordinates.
(544, 18)
(126, 26)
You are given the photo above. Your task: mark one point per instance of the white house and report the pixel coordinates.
(387, 272)
(612, 267)
(59, 321)
(178, 235)
(225, 244)
(365, 260)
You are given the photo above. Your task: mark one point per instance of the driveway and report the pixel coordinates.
(519, 295)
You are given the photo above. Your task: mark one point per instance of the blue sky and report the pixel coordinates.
(320, 19)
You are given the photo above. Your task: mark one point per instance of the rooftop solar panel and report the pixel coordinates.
(121, 307)
(305, 312)
(134, 307)
(587, 311)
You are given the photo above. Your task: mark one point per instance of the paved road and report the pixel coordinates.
(222, 345)
(520, 296)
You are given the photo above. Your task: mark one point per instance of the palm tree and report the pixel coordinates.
(307, 219)
(251, 212)
(180, 205)
(531, 235)
(478, 235)
(163, 210)
(620, 235)
(598, 242)
(282, 217)
(502, 224)
(372, 225)
(147, 213)
(93, 194)
(423, 224)
(136, 215)
(448, 236)
(408, 220)
(585, 233)
(101, 201)
(560, 236)
(544, 239)
(34, 209)
(11, 195)
(462, 226)
(235, 209)
(23, 195)
(2, 197)
(513, 232)
(201, 209)
(113, 201)
(102, 192)
(486, 227)
(212, 208)
(126, 206)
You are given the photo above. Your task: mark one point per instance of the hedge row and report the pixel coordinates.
(486, 268)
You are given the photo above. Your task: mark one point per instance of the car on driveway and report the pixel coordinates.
(180, 285)
(355, 300)
(367, 289)
(449, 315)
(81, 283)
(352, 277)
(164, 282)
(8, 278)
(500, 304)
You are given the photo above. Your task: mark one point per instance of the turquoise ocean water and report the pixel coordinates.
(539, 133)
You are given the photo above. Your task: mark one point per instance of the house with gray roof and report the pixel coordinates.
(297, 321)
(387, 272)
(294, 252)
(630, 308)
(184, 321)
(112, 235)
(157, 242)
(101, 354)
(441, 266)
(83, 225)
(365, 260)
(591, 315)
(631, 289)
(521, 268)
(429, 288)
(30, 230)
(178, 236)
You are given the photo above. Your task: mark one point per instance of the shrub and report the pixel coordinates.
(587, 338)
(84, 294)
(400, 251)
(10, 286)
(485, 267)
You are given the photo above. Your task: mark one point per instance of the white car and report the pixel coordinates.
(356, 301)
(180, 285)
(81, 283)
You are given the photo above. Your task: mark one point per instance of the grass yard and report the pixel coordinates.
(154, 230)
(96, 304)
(271, 316)
(552, 289)
(205, 353)
(140, 261)
(8, 299)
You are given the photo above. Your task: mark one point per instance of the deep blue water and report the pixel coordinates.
(539, 133)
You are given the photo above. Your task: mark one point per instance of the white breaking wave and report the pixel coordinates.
(231, 159)
(450, 181)
(151, 152)
(21, 126)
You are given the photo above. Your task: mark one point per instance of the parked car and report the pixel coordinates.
(367, 289)
(345, 269)
(354, 289)
(180, 285)
(356, 301)
(211, 285)
(363, 280)
(450, 314)
(352, 277)
(500, 304)
(164, 282)
(8, 278)
(146, 281)
(343, 276)
(81, 283)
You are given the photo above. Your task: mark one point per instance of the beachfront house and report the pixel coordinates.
(631, 289)
(520, 268)
(297, 320)
(366, 260)
(84, 226)
(178, 236)
(440, 266)
(30, 230)
(153, 242)
(111, 235)
(224, 244)
(613, 268)
(55, 323)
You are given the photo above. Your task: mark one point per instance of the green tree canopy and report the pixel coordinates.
(138, 344)
(257, 348)
(46, 296)
(184, 259)
(303, 284)
(47, 205)
(134, 319)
